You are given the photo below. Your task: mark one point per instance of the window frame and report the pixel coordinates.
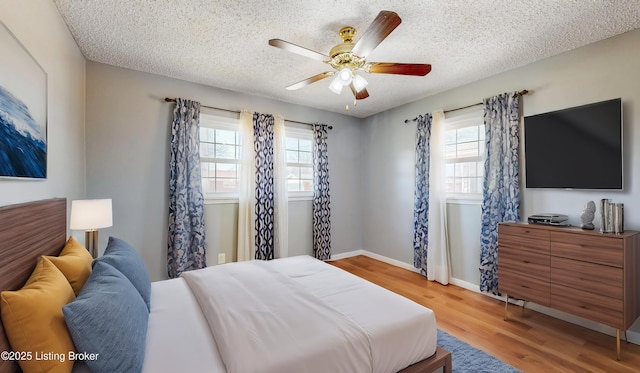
(214, 121)
(304, 134)
(470, 119)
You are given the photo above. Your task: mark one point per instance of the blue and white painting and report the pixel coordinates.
(23, 111)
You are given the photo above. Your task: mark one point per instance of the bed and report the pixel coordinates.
(384, 331)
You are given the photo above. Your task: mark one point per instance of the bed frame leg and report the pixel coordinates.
(448, 364)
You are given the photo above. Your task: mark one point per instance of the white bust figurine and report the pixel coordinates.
(587, 216)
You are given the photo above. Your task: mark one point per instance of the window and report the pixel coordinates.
(299, 156)
(219, 156)
(464, 155)
(220, 151)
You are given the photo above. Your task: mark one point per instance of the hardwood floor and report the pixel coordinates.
(530, 341)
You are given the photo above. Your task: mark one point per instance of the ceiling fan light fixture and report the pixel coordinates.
(345, 75)
(336, 85)
(359, 82)
(347, 59)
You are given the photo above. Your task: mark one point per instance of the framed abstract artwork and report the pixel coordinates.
(23, 111)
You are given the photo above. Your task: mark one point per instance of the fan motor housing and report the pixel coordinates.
(341, 56)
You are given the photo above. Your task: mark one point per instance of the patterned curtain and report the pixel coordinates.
(280, 195)
(321, 198)
(421, 194)
(186, 204)
(263, 136)
(501, 190)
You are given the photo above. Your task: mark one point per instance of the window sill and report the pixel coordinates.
(235, 200)
(221, 201)
(464, 200)
(300, 198)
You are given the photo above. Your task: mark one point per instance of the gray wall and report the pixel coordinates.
(41, 30)
(604, 70)
(127, 160)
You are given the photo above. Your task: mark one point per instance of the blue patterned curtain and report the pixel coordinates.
(421, 194)
(186, 204)
(263, 137)
(321, 197)
(501, 190)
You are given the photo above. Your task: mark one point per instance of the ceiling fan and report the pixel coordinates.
(347, 58)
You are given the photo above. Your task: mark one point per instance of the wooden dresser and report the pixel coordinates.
(584, 273)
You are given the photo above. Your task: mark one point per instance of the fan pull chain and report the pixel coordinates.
(355, 103)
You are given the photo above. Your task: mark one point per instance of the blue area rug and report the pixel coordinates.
(468, 359)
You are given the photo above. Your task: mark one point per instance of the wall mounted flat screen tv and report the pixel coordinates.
(575, 148)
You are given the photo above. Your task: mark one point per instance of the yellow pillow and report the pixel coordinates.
(33, 320)
(74, 262)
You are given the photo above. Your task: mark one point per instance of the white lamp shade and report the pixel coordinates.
(359, 83)
(345, 76)
(336, 85)
(88, 214)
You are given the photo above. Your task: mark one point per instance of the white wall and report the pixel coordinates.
(41, 30)
(464, 248)
(604, 70)
(128, 126)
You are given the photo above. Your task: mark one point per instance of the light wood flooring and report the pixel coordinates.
(530, 341)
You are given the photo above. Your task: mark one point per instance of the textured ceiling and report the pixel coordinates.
(224, 43)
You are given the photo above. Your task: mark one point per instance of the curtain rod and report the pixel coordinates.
(519, 93)
(167, 99)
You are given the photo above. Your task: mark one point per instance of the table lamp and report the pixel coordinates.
(90, 215)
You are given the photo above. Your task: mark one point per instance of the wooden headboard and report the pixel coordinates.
(27, 231)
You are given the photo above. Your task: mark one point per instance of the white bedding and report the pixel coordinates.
(275, 324)
(400, 332)
(178, 338)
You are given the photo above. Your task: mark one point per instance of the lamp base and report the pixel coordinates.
(91, 242)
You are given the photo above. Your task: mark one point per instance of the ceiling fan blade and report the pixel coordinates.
(308, 81)
(420, 69)
(380, 28)
(278, 43)
(359, 95)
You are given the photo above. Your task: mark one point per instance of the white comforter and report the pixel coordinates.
(274, 325)
(400, 331)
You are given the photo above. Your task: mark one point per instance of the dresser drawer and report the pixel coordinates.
(589, 277)
(607, 250)
(523, 237)
(524, 261)
(518, 285)
(591, 306)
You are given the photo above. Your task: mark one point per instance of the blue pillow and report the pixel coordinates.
(109, 320)
(125, 259)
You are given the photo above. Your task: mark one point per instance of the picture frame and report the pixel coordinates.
(23, 111)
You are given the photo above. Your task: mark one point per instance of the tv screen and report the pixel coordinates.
(575, 148)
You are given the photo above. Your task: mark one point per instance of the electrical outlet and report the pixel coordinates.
(221, 258)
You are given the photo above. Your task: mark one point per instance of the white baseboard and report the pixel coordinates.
(379, 257)
(346, 255)
(464, 284)
(632, 336)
